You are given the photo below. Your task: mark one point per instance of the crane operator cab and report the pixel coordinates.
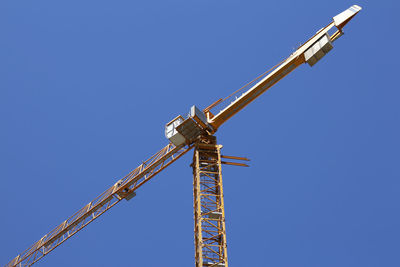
(181, 131)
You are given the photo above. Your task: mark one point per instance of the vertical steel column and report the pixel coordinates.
(209, 214)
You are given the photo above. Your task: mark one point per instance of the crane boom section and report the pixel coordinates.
(282, 70)
(124, 188)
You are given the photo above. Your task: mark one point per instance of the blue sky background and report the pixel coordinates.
(86, 88)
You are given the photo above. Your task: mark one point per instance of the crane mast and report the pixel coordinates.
(195, 131)
(209, 211)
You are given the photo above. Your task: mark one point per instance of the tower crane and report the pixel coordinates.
(196, 131)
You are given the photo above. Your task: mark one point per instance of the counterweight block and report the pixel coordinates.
(318, 50)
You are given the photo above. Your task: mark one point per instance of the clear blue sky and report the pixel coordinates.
(86, 88)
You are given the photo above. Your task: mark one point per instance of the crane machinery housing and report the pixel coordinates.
(195, 131)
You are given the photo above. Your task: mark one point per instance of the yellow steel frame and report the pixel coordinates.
(209, 214)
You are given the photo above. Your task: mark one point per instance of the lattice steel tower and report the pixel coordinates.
(209, 212)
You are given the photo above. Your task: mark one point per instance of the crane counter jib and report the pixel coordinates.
(180, 130)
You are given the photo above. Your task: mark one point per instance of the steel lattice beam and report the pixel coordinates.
(122, 189)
